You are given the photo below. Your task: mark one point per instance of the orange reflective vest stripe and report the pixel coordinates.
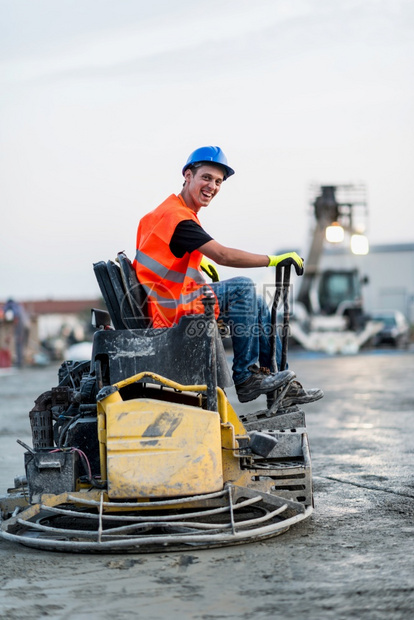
(174, 286)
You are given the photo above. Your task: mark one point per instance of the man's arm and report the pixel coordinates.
(230, 257)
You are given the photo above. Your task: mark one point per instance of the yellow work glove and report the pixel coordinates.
(208, 268)
(290, 258)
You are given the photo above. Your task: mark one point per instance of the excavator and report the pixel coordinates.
(139, 450)
(329, 314)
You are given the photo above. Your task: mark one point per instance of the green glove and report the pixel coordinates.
(209, 269)
(290, 258)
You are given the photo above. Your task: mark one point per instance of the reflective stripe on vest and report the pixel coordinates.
(168, 274)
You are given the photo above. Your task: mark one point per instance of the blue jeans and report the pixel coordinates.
(248, 318)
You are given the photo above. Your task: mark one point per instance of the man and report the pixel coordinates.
(13, 311)
(172, 247)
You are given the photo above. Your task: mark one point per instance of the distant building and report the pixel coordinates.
(390, 272)
(55, 314)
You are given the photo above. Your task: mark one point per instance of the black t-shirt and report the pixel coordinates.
(188, 236)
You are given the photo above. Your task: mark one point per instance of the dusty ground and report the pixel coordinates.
(352, 559)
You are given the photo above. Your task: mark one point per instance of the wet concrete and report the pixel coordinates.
(352, 559)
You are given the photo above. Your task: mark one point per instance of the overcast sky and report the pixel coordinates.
(101, 102)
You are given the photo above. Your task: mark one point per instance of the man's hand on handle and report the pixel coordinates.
(290, 258)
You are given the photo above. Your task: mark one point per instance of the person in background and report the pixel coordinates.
(13, 311)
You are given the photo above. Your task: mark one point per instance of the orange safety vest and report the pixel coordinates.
(174, 286)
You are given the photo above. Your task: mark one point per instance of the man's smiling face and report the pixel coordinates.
(201, 185)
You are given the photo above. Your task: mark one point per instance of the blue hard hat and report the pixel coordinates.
(207, 155)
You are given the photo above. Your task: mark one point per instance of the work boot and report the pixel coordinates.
(297, 395)
(262, 381)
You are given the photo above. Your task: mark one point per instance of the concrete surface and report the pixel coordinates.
(352, 559)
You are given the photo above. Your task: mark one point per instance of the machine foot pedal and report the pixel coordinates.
(283, 419)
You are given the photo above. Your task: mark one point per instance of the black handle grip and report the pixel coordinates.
(282, 282)
(286, 310)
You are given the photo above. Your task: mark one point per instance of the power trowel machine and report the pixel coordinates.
(139, 449)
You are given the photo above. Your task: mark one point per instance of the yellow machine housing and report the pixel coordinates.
(154, 448)
(159, 449)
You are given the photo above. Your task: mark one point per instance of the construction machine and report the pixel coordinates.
(329, 314)
(139, 450)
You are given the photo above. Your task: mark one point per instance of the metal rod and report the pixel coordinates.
(272, 396)
(285, 333)
(167, 502)
(155, 519)
(211, 354)
(273, 316)
(100, 528)
(232, 525)
(25, 446)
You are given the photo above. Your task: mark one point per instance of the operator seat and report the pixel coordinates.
(182, 353)
(124, 296)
